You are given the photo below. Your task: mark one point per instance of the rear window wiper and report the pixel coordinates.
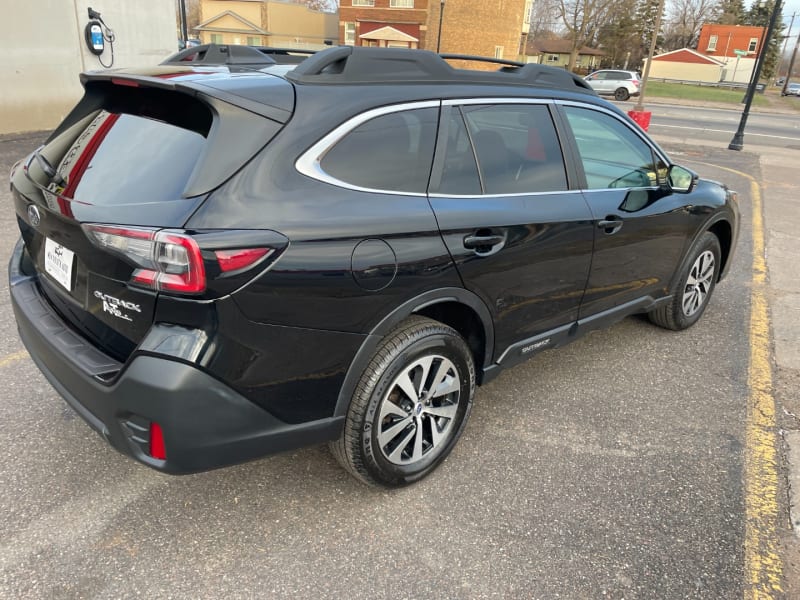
(52, 174)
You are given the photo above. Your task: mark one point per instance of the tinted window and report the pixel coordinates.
(392, 152)
(517, 148)
(460, 172)
(613, 156)
(129, 159)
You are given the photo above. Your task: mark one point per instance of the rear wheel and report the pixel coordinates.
(410, 407)
(621, 94)
(693, 291)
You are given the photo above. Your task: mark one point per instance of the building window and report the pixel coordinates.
(216, 38)
(363, 2)
(350, 34)
(528, 11)
(401, 3)
(498, 51)
(253, 40)
(552, 58)
(753, 45)
(712, 43)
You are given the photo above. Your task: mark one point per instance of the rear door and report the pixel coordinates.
(521, 239)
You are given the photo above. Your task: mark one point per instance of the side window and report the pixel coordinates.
(460, 172)
(392, 152)
(517, 148)
(613, 156)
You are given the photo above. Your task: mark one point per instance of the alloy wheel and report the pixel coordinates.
(698, 283)
(417, 415)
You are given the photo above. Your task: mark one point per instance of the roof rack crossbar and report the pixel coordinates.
(470, 57)
(220, 54)
(348, 64)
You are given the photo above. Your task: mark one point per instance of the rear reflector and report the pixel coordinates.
(157, 448)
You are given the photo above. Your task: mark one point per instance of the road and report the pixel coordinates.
(721, 124)
(612, 468)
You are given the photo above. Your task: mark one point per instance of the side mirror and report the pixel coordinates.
(681, 180)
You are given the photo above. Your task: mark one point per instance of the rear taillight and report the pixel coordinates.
(167, 261)
(172, 261)
(636, 82)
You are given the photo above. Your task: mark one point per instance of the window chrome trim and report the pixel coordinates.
(309, 163)
(492, 101)
(514, 195)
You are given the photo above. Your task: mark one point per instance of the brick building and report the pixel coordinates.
(477, 27)
(724, 40)
(384, 23)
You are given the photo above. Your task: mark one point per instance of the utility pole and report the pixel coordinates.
(786, 40)
(791, 65)
(640, 104)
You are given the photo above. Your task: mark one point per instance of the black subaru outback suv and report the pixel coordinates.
(218, 263)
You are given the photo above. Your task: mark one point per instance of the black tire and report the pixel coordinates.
(388, 436)
(694, 288)
(621, 94)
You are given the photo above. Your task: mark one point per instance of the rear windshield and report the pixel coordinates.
(129, 159)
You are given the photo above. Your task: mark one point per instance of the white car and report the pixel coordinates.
(611, 82)
(793, 89)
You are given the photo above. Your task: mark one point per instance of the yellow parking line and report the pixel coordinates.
(10, 358)
(763, 564)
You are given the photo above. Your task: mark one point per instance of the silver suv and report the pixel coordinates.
(610, 82)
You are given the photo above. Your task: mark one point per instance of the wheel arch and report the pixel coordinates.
(456, 307)
(724, 232)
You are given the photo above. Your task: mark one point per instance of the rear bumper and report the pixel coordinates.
(206, 424)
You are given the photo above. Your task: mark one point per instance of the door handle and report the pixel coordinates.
(478, 241)
(611, 224)
(485, 243)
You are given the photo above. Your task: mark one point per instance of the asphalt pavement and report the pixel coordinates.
(611, 468)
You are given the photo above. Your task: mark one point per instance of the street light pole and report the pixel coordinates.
(441, 18)
(737, 143)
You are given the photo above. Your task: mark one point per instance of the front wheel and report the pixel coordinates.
(410, 407)
(621, 94)
(695, 286)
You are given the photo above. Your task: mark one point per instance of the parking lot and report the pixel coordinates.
(612, 468)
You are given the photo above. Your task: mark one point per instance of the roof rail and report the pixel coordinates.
(358, 65)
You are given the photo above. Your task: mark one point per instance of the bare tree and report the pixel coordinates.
(684, 20)
(545, 18)
(582, 20)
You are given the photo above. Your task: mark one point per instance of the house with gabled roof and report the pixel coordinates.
(686, 64)
(278, 23)
(556, 53)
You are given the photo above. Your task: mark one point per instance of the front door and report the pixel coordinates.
(640, 227)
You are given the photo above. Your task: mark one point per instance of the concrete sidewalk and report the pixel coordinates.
(779, 180)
